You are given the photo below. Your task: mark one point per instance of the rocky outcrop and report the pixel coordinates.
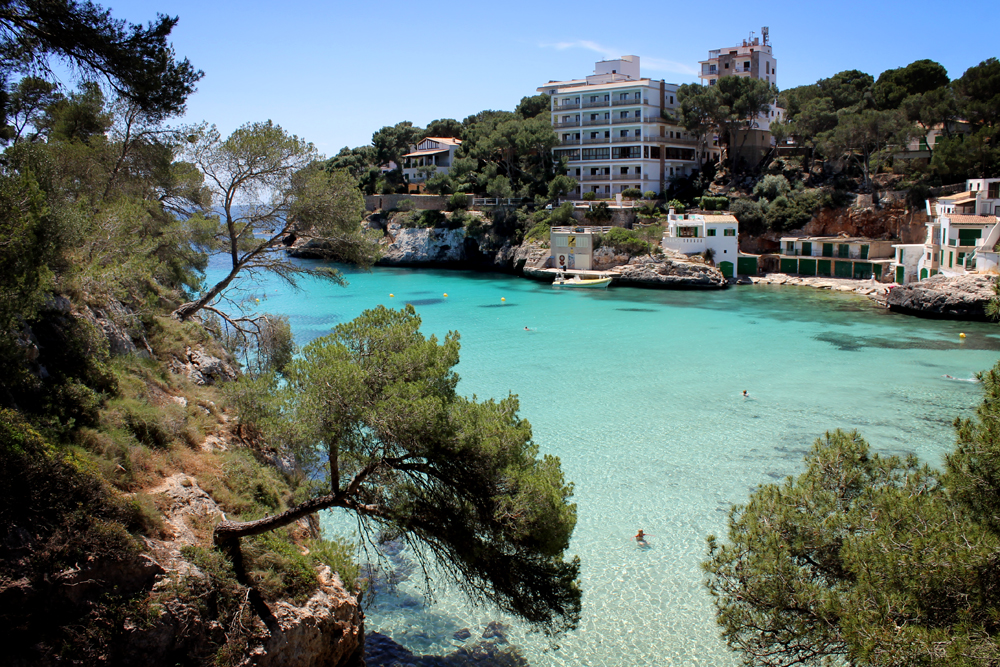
(408, 246)
(957, 298)
(669, 271)
(202, 368)
(530, 254)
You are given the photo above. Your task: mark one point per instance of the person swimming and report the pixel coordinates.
(952, 377)
(745, 394)
(640, 538)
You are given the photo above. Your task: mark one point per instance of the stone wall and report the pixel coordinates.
(420, 202)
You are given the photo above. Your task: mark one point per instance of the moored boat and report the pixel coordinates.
(576, 281)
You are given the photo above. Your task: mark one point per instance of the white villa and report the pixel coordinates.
(962, 235)
(433, 155)
(696, 233)
(612, 131)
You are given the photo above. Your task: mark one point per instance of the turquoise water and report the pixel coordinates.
(640, 394)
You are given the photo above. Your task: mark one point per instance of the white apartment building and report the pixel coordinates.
(963, 232)
(433, 155)
(754, 59)
(612, 131)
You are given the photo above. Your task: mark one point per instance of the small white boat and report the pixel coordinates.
(576, 281)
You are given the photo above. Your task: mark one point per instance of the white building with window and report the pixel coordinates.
(613, 133)
(963, 232)
(433, 155)
(695, 233)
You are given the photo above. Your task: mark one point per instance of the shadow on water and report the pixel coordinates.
(850, 343)
(637, 310)
(496, 305)
(423, 302)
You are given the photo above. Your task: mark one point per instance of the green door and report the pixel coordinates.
(807, 267)
(726, 268)
(828, 250)
(807, 248)
(746, 266)
(843, 250)
(823, 266)
(864, 252)
(842, 269)
(862, 270)
(789, 265)
(969, 236)
(877, 270)
(923, 273)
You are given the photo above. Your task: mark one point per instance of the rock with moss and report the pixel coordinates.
(669, 271)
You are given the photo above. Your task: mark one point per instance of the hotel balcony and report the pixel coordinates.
(556, 108)
(594, 177)
(566, 123)
(630, 177)
(569, 142)
(623, 140)
(626, 121)
(627, 103)
(599, 121)
(596, 105)
(596, 140)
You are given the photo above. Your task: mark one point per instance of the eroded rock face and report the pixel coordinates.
(670, 271)
(958, 298)
(327, 631)
(423, 246)
(202, 368)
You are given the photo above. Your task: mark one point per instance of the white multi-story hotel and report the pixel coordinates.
(612, 131)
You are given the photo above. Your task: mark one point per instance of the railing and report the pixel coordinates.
(621, 121)
(567, 123)
(630, 177)
(623, 103)
(619, 140)
(569, 142)
(559, 107)
(596, 140)
(582, 229)
(594, 177)
(597, 105)
(498, 201)
(600, 121)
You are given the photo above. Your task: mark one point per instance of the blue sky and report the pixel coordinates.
(335, 72)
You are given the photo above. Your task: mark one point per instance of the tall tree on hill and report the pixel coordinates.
(867, 136)
(377, 421)
(136, 61)
(267, 185)
(919, 77)
(443, 127)
(391, 143)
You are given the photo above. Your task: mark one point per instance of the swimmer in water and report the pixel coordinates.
(745, 394)
(640, 539)
(952, 377)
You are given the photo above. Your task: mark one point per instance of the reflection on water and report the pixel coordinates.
(639, 392)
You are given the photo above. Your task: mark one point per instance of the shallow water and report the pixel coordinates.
(640, 394)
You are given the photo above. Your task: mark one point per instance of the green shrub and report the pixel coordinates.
(338, 555)
(649, 194)
(458, 201)
(279, 568)
(599, 213)
(771, 187)
(676, 205)
(751, 215)
(624, 241)
(562, 216)
(539, 232)
(631, 193)
(404, 205)
(713, 203)
(589, 195)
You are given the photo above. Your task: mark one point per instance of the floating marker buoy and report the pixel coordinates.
(446, 294)
(961, 335)
(258, 301)
(503, 298)
(391, 295)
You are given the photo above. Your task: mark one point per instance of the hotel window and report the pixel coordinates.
(711, 82)
(624, 170)
(623, 96)
(593, 135)
(638, 170)
(607, 134)
(593, 116)
(638, 114)
(607, 115)
(638, 133)
(623, 133)
(637, 95)
(607, 97)
(729, 231)
(623, 114)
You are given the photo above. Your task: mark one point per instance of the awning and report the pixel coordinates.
(422, 153)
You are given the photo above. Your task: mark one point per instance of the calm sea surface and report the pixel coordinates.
(639, 392)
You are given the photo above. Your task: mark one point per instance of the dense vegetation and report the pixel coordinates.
(869, 560)
(108, 214)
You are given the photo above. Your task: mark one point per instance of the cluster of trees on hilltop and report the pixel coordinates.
(853, 116)
(851, 119)
(108, 215)
(503, 154)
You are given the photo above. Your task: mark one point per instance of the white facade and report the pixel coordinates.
(612, 131)
(906, 264)
(433, 155)
(696, 233)
(573, 247)
(963, 232)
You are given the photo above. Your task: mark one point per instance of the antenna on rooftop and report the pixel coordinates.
(764, 35)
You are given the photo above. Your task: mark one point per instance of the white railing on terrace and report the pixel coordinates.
(582, 229)
(498, 201)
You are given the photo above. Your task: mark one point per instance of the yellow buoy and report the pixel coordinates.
(961, 335)
(257, 300)
(446, 294)
(503, 298)
(391, 295)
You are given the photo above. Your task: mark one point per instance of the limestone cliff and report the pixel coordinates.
(958, 298)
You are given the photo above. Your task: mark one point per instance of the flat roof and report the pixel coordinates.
(957, 219)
